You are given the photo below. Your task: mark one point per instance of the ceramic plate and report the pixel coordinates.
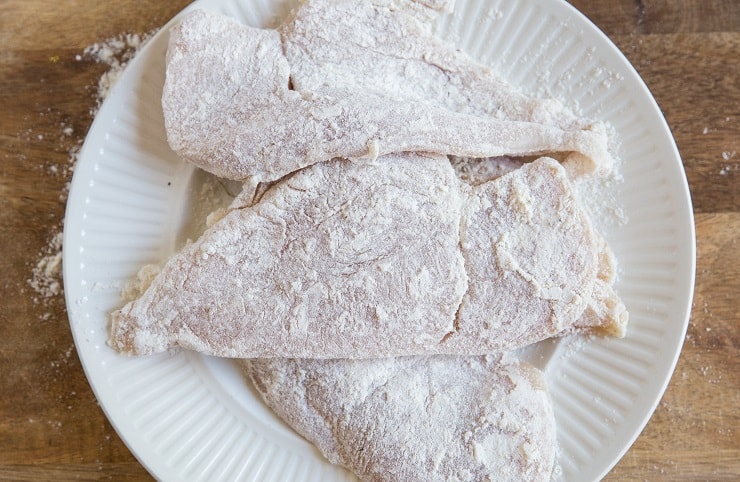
(190, 417)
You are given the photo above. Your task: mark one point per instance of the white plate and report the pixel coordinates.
(189, 417)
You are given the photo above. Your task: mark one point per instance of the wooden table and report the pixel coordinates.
(51, 427)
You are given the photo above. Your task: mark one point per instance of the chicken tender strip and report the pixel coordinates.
(366, 260)
(386, 47)
(230, 109)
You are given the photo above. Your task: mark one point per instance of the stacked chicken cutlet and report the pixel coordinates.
(372, 285)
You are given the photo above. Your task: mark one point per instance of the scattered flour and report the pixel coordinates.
(47, 274)
(116, 52)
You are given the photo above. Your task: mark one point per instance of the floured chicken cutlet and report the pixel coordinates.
(326, 262)
(605, 313)
(386, 47)
(359, 264)
(417, 418)
(375, 259)
(230, 108)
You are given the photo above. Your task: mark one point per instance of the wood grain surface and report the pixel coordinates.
(51, 428)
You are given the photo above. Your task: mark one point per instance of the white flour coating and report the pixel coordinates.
(478, 171)
(46, 278)
(605, 311)
(498, 417)
(144, 277)
(417, 418)
(362, 260)
(328, 260)
(598, 195)
(386, 47)
(230, 109)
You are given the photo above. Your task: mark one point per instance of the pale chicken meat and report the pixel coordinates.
(417, 418)
(605, 312)
(364, 277)
(230, 108)
(386, 47)
(373, 259)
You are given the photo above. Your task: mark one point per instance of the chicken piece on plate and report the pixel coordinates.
(386, 47)
(605, 312)
(230, 108)
(417, 418)
(374, 259)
